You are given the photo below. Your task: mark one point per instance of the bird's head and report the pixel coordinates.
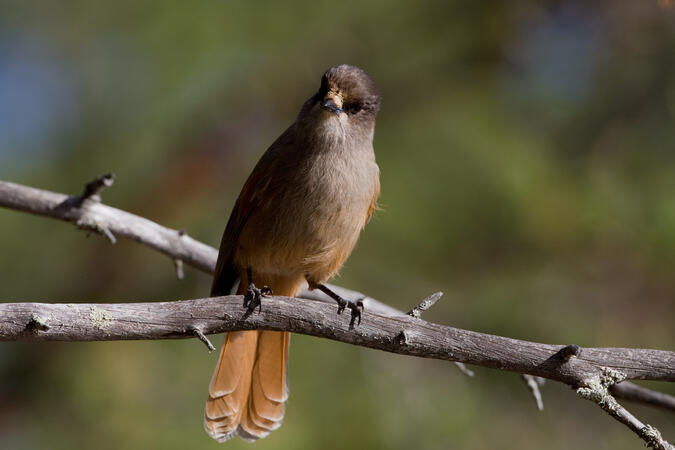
(347, 98)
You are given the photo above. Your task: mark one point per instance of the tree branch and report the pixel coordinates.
(597, 390)
(384, 328)
(400, 334)
(87, 212)
(635, 393)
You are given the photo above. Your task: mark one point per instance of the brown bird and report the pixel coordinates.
(297, 219)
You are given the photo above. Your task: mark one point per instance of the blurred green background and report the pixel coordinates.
(528, 170)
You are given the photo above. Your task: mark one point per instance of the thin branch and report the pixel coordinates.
(597, 390)
(95, 216)
(425, 304)
(533, 384)
(178, 263)
(635, 393)
(202, 337)
(465, 370)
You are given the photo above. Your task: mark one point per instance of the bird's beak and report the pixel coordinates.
(331, 104)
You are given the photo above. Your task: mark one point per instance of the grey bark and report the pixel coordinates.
(400, 334)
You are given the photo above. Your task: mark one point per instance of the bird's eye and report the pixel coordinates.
(353, 109)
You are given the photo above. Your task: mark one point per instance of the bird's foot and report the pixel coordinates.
(355, 306)
(254, 295)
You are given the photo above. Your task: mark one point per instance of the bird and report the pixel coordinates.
(296, 220)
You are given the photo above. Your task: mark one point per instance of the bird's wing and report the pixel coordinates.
(373, 203)
(226, 274)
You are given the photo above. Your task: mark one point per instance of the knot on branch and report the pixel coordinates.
(610, 376)
(650, 434)
(95, 186)
(402, 338)
(87, 223)
(597, 389)
(37, 323)
(653, 438)
(570, 351)
(76, 208)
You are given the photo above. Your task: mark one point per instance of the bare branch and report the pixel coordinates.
(178, 263)
(177, 319)
(640, 394)
(533, 384)
(202, 337)
(597, 390)
(465, 370)
(96, 216)
(425, 304)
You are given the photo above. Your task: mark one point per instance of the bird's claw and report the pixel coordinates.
(266, 291)
(354, 307)
(254, 295)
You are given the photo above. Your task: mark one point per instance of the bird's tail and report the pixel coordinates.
(249, 389)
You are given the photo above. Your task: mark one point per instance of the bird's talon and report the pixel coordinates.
(353, 305)
(356, 313)
(266, 291)
(252, 299)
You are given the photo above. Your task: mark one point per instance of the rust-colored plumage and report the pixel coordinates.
(297, 219)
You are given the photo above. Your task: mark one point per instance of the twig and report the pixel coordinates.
(465, 370)
(597, 390)
(178, 263)
(94, 187)
(202, 337)
(425, 304)
(635, 393)
(533, 383)
(103, 230)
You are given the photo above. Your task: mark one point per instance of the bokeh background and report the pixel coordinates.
(528, 170)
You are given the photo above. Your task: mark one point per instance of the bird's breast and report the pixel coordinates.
(315, 214)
